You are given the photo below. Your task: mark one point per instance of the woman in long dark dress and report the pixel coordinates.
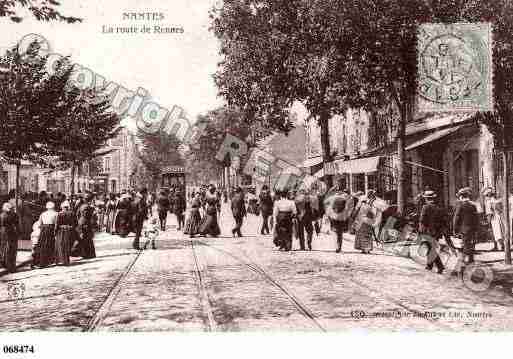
(8, 238)
(86, 230)
(123, 216)
(194, 219)
(209, 224)
(65, 226)
(45, 250)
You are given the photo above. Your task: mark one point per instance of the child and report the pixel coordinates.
(151, 231)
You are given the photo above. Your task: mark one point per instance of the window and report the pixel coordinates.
(106, 164)
(372, 181)
(359, 182)
(4, 182)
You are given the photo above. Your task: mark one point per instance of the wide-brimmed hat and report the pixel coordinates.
(6, 207)
(50, 205)
(429, 194)
(465, 191)
(65, 204)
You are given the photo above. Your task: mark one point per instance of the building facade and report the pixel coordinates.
(443, 152)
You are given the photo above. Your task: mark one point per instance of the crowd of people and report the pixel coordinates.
(67, 226)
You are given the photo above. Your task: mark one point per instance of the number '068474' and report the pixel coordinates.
(18, 349)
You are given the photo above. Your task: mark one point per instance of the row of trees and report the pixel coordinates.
(45, 118)
(218, 123)
(331, 55)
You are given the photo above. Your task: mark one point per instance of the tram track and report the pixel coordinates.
(303, 309)
(202, 291)
(103, 309)
(249, 263)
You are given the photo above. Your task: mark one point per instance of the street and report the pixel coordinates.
(244, 284)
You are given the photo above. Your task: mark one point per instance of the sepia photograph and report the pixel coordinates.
(288, 170)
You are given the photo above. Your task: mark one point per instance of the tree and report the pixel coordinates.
(29, 101)
(158, 151)
(45, 10)
(279, 52)
(220, 122)
(81, 132)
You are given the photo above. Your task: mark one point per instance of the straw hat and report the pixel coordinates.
(429, 194)
(6, 207)
(65, 204)
(50, 205)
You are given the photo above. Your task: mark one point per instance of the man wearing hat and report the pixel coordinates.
(432, 225)
(465, 222)
(304, 218)
(139, 212)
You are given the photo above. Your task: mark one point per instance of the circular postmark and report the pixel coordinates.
(453, 69)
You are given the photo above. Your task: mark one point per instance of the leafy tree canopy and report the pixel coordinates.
(42, 10)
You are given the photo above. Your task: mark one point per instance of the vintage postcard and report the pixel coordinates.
(253, 166)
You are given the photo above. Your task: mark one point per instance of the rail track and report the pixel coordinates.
(250, 264)
(199, 268)
(99, 315)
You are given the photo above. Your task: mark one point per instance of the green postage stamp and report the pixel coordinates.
(454, 67)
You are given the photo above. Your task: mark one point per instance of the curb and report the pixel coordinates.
(19, 265)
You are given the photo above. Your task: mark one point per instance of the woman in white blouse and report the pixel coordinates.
(45, 249)
(284, 213)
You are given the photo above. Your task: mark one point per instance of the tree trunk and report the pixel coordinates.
(505, 199)
(406, 114)
(325, 143)
(17, 193)
(228, 179)
(401, 190)
(72, 181)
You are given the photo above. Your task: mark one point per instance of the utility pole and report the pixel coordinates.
(505, 200)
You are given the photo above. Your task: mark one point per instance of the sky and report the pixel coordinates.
(176, 69)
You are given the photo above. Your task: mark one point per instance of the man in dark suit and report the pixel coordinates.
(162, 208)
(179, 206)
(304, 218)
(466, 222)
(238, 211)
(432, 226)
(139, 212)
(266, 207)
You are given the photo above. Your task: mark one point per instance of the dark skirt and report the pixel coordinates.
(192, 226)
(45, 249)
(63, 242)
(8, 249)
(209, 224)
(87, 244)
(283, 230)
(122, 222)
(364, 237)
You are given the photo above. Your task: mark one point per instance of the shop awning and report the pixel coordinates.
(310, 162)
(360, 165)
(433, 136)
